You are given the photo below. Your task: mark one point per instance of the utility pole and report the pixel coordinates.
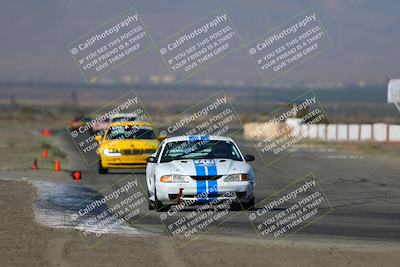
(13, 101)
(74, 99)
(256, 95)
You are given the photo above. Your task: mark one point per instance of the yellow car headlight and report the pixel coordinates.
(111, 152)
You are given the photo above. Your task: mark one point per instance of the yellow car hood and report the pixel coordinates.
(129, 144)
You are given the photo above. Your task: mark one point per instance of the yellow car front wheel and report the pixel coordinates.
(101, 169)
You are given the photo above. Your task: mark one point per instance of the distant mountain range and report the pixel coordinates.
(366, 35)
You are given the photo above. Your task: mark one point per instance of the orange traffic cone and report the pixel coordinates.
(46, 132)
(57, 166)
(45, 153)
(34, 165)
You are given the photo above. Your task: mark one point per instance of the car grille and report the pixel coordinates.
(202, 178)
(132, 151)
(175, 196)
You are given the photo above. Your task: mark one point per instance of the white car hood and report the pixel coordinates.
(207, 167)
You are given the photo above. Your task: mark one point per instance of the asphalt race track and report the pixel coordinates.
(362, 190)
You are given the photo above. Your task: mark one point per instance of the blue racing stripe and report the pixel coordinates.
(200, 168)
(212, 188)
(201, 187)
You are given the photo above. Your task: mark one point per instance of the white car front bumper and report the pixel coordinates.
(205, 190)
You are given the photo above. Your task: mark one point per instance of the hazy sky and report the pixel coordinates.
(366, 36)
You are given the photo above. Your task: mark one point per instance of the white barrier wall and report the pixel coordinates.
(354, 132)
(331, 132)
(366, 132)
(341, 134)
(322, 131)
(394, 133)
(304, 130)
(312, 131)
(378, 132)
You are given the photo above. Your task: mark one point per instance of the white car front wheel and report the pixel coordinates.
(158, 205)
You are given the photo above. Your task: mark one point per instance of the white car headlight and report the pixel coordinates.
(174, 178)
(111, 152)
(237, 177)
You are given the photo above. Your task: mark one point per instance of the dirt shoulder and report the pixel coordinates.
(25, 243)
(22, 142)
(371, 149)
(22, 240)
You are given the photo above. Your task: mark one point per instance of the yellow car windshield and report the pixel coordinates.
(130, 132)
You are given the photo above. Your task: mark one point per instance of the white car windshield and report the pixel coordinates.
(200, 149)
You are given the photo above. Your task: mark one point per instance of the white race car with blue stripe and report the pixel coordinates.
(198, 169)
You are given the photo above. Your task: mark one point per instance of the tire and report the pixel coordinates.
(101, 169)
(235, 206)
(151, 203)
(249, 205)
(158, 205)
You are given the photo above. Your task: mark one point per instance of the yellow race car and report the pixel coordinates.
(126, 145)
